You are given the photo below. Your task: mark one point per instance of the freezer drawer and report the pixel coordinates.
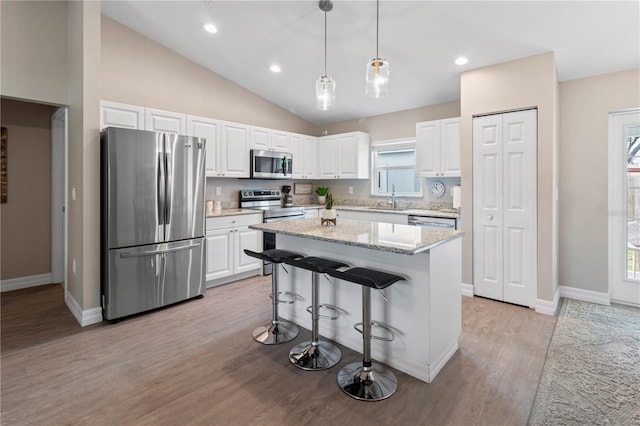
(147, 277)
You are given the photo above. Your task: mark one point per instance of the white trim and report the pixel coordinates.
(548, 307)
(585, 295)
(25, 282)
(84, 318)
(467, 290)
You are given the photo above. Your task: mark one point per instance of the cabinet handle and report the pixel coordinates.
(489, 217)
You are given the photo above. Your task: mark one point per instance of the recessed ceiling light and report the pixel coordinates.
(461, 60)
(210, 28)
(275, 68)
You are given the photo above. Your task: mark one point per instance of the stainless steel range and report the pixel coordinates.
(270, 202)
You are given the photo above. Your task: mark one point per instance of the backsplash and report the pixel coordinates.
(360, 196)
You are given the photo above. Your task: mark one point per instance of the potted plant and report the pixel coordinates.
(322, 191)
(329, 212)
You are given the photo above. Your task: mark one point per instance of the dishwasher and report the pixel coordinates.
(434, 222)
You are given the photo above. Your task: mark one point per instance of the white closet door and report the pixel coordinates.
(487, 207)
(505, 207)
(519, 136)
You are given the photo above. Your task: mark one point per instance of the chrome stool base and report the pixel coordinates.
(272, 334)
(310, 357)
(373, 383)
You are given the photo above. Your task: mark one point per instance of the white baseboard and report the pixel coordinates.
(25, 282)
(585, 295)
(86, 317)
(467, 290)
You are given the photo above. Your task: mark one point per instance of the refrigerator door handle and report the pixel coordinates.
(154, 252)
(160, 191)
(167, 163)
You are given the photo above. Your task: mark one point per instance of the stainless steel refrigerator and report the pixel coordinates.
(152, 220)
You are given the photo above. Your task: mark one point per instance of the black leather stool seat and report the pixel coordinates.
(367, 277)
(273, 255)
(315, 264)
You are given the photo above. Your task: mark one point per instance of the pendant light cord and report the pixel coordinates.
(325, 42)
(377, 25)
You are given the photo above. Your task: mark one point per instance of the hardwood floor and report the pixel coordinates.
(196, 363)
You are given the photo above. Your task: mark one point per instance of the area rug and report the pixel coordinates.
(591, 375)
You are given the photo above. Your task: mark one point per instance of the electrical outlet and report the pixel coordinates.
(73, 266)
(73, 195)
(351, 190)
(218, 190)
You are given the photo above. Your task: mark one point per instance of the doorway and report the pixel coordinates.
(624, 207)
(59, 136)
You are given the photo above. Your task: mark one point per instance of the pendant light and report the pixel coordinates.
(377, 77)
(325, 85)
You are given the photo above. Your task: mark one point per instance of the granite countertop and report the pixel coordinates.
(416, 212)
(401, 239)
(233, 212)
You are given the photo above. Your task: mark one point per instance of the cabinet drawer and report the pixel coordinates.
(233, 221)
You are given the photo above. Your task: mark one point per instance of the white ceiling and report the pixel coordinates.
(420, 39)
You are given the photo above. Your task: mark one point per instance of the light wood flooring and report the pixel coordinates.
(196, 363)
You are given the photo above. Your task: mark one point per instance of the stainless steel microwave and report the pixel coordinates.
(271, 164)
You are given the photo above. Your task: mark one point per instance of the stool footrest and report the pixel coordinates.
(326, 306)
(378, 324)
(294, 297)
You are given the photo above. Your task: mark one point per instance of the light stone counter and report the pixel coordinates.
(401, 239)
(424, 309)
(233, 212)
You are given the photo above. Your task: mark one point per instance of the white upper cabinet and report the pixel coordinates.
(165, 121)
(113, 114)
(344, 156)
(304, 152)
(269, 139)
(438, 148)
(209, 129)
(234, 149)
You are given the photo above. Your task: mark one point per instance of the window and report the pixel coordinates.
(394, 165)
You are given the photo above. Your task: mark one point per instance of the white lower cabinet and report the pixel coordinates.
(227, 237)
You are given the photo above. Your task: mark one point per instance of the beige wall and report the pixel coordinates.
(394, 125)
(25, 219)
(529, 82)
(139, 71)
(83, 151)
(34, 50)
(585, 105)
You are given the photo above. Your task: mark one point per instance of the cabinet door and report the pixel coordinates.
(450, 147)
(113, 114)
(328, 148)
(280, 141)
(428, 149)
(260, 138)
(210, 130)
(245, 238)
(312, 161)
(219, 253)
(235, 150)
(165, 121)
(298, 152)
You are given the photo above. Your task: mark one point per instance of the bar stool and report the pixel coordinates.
(315, 354)
(276, 331)
(365, 381)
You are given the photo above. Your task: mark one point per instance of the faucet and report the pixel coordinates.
(393, 196)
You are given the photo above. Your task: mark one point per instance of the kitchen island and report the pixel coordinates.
(424, 310)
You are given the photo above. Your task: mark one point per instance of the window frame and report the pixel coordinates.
(400, 144)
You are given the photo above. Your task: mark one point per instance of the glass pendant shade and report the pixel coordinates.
(377, 79)
(325, 93)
